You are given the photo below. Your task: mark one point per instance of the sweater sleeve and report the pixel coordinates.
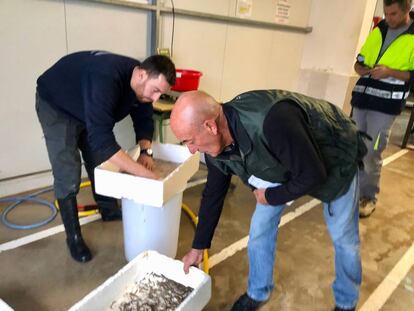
(211, 206)
(100, 95)
(143, 123)
(290, 141)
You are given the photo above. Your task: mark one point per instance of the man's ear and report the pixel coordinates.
(141, 74)
(211, 126)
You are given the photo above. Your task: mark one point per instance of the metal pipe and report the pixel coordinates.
(207, 16)
(130, 4)
(236, 20)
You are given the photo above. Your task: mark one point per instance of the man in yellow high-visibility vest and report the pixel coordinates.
(386, 66)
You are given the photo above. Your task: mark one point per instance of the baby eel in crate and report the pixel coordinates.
(153, 293)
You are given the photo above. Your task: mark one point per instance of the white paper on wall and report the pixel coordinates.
(244, 8)
(282, 11)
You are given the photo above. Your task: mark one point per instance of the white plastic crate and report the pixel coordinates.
(4, 306)
(112, 289)
(110, 182)
(151, 208)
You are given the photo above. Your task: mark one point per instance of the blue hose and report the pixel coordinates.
(32, 198)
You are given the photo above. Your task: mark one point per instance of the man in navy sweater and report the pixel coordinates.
(78, 101)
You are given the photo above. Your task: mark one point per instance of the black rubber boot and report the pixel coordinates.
(69, 213)
(108, 207)
(109, 210)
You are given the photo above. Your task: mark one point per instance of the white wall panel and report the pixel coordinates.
(265, 10)
(325, 49)
(32, 37)
(116, 29)
(199, 45)
(246, 60)
(211, 6)
(285, 60)
(237, 58)
(379, 8)
(262, 10)
(330, 50)
(34, 34)
(95, 26)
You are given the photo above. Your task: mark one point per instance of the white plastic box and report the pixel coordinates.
(110, 182)
(4, 306)
(151, 208)
(112, 289)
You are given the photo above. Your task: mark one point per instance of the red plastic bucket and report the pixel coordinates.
(186, 80)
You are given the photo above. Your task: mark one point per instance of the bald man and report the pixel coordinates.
(283, 145)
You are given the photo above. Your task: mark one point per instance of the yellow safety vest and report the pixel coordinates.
(385, 95)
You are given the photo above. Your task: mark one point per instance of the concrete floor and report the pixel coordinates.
(42, 276)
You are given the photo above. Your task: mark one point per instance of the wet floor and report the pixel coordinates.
(42, 276)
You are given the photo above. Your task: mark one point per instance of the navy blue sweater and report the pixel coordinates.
(94, 88)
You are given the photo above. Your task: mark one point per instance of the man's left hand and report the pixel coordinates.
(260, 196)
(380, 72)
(146, 161)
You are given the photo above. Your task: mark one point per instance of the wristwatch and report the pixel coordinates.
(147, 152)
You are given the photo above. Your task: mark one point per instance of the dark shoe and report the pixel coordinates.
(245, 303)
(342, 309)
(110, 211)
(78, 249)
(366, 208)
(69, 213)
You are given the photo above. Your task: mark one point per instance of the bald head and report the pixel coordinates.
(198, 121)
(191, 110)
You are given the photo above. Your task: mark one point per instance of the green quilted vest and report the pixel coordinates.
(336, 135)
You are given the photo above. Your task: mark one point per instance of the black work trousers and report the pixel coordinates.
(66, 139)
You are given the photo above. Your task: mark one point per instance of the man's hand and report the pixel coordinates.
(260, 196)
(146, 161)
(192, 258)
(144, 172)
(361, 69)
(126, 164)
(380, 72)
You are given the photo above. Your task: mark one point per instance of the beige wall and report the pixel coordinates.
(340, 29)
(233, 58)
(237, 58)
(33, 35)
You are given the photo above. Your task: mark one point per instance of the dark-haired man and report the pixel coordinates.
(386, 66)
(78, 101)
